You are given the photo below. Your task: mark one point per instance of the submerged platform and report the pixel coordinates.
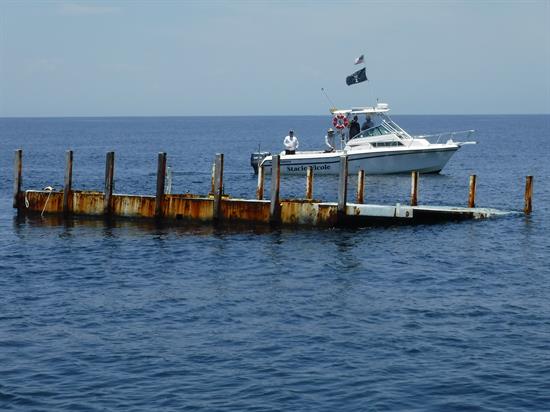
(201, 209)
(219, 207)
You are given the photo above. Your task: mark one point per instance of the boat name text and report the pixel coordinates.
(304, 168)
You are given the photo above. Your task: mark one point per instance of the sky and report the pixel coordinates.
(187, 58)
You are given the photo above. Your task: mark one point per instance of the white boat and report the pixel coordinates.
(384, 148)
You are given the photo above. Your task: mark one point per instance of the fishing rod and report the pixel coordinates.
(328, 98)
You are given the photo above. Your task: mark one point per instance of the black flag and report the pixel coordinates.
(357, 77)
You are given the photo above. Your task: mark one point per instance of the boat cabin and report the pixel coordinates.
(384, 132)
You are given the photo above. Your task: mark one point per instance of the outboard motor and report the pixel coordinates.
(256, 159)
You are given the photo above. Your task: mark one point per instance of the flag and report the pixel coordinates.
(360, 59)
(357, 77)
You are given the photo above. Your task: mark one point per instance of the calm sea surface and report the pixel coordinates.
(134, 316)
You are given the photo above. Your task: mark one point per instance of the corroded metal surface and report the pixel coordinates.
(134, 206)
(87, 203)
(68, 185)
(17, 177)
(188, 207)
(161, 180)
(528, 208)
(38, 201)
(472, 191)
(327, 214)
(305, 212)
(299, 212)
(414, 188)
(245, 210)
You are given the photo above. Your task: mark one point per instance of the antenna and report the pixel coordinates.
(328, 98)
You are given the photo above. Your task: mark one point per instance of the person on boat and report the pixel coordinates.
(329, 141)
(291, 143)
(354, 128)
(367, 124)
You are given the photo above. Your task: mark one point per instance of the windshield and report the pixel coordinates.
(373, 131)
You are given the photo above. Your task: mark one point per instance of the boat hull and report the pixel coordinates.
(423, 160)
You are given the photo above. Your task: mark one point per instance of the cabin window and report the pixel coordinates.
(374, 131)
(386, 144)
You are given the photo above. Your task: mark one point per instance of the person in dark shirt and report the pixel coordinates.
(367, 124)
(354, 128)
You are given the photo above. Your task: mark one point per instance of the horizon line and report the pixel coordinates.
(256, 115)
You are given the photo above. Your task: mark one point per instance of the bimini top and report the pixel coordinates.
(379, 108)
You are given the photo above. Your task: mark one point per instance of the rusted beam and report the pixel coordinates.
(528, 208)
(472, 191)
(260, 187)
(275, 207)
(109, 183)
(343, 185)
(168, 183)
(161, 179)
(414, 188)
(212, 185)
(361, 186)
(17, 177)
(309, 183)
(67, 187)
(218, 185)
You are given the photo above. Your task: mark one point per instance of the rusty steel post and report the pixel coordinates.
(343, 185)
(260, 187)
(361, 186)
(212, 178)
(528, 195)
(414, 188)
(218, 185)
(161, 180)
(472, 192)
(17, 177)
(274, 207)
(109, 182)
(309, 183)
(67, 188)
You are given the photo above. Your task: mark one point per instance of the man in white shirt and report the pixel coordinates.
(291, 143)
(329, 141)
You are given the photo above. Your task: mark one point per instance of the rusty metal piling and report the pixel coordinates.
(472, 191)
(414, 188)
(218, 185)
(220, 207)
(212, 177)
(361, 186)
(260, 187)
(161, 180)
(309, 183)
(528, 208)
(343, 187)
(109, 183)
(17, 177)
(275, 207)
(67, 187)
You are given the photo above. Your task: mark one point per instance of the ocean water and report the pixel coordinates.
(137, 316)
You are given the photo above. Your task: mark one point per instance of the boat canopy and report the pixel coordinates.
(379, 108)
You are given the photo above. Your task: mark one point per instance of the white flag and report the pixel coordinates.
(360, 59)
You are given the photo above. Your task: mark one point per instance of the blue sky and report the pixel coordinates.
(113, 58)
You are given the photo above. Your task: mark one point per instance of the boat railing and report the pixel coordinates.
(392, 127)
(445, 136)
